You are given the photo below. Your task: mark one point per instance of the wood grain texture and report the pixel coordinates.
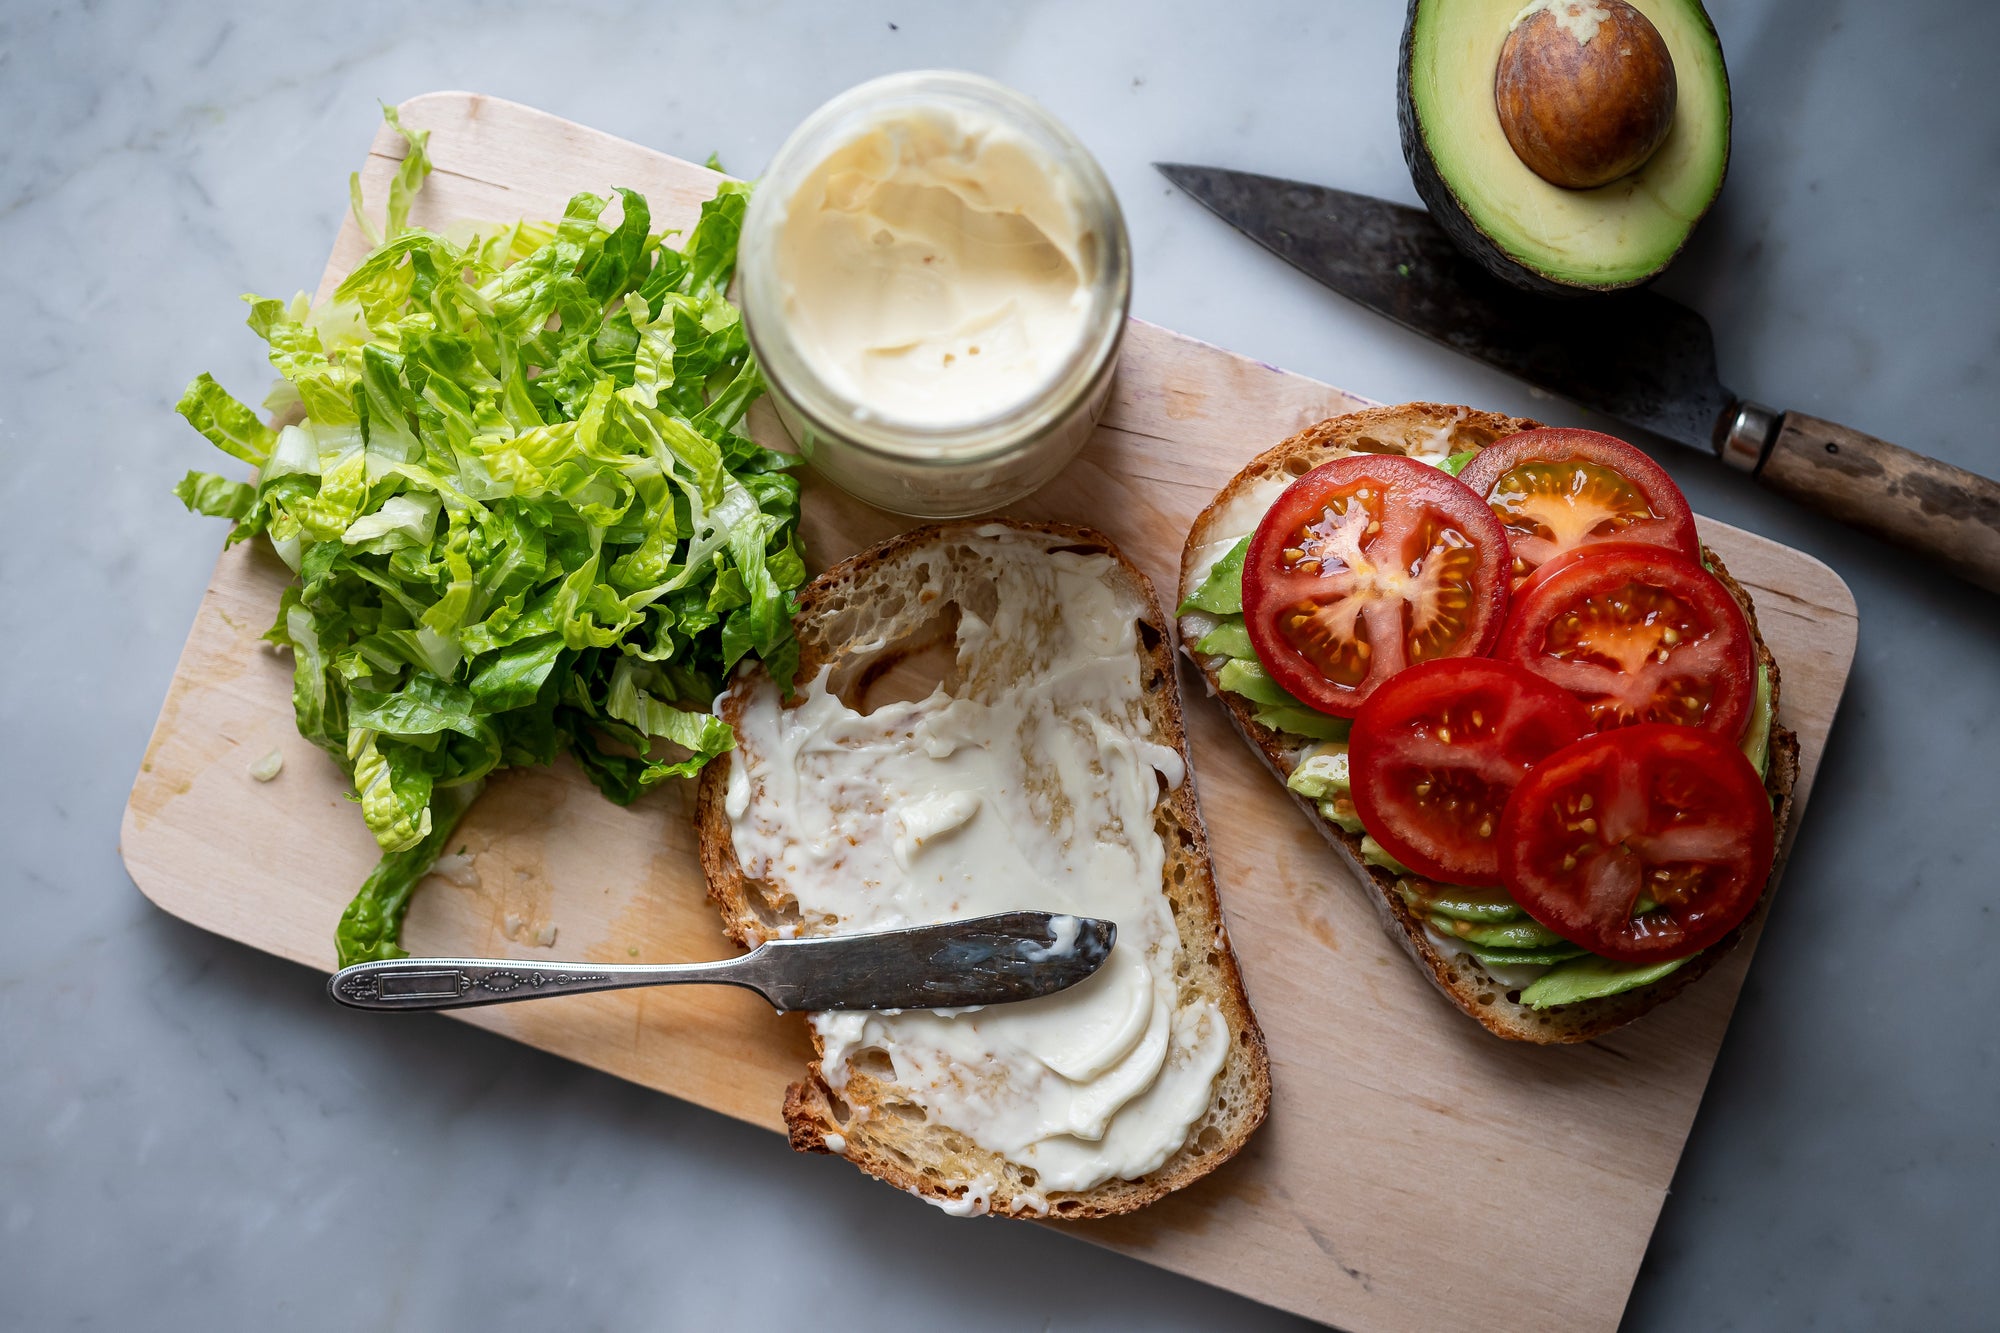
(1415, 1173)
(1939, 511)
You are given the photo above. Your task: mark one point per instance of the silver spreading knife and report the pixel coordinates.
(982, 960)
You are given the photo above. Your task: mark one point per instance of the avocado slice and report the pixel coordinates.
(1536, 235)
(1228, 639)
(1488, 905)
(1246, 676)
(1591, 978)
(1375, 854)
(1321, 773)
(1339, 810)
(1555, 953)
(1221, 593)
(1521, 934)
(1757, 739)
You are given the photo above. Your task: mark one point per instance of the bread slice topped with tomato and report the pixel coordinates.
(1495, 665)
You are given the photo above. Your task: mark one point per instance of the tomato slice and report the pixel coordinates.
(1640, 635)
(1436, 752)
(1364, 566)
(1642, 844)
(1556, 490)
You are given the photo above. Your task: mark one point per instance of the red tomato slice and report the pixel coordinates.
(1524, 588)
(1642, 844)
(1436, 752)
(1366, 565)
(1557, 490)
(1640, 635)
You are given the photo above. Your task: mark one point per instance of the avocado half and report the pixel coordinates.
(1539, 236)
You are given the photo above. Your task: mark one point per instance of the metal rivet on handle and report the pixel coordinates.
(1748, 438)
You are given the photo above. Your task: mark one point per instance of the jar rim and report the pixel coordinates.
(927, 446)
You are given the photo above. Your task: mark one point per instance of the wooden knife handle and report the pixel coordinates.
(1944, 513)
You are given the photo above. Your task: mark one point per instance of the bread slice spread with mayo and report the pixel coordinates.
(987, 719)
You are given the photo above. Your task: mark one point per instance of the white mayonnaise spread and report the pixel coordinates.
(1237, 519)
(1030, 784)
(935, 268)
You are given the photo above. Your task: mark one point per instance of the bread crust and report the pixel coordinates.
(1461, 979)
(892, 1147)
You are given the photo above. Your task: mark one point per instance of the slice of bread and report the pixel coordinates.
(1433, 430)
(865, 618)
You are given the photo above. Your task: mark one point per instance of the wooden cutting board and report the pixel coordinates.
(1415, 1173)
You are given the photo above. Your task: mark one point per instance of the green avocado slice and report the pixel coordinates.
(1522, 934)
(1341, 811)
(1757, 739)
(1555, 953)
(1221, 593)
(1375, 854)
(1534, 234)
(1228, 639)
(1487, 905)
(1591, 978)
(1246, 676)
(1295, 719)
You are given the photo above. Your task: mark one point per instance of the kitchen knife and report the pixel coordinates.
(981, 960)
(1635, 355)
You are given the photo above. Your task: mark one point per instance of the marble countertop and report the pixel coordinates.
(189, 1136)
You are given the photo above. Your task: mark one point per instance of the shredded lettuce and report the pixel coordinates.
(522, 512)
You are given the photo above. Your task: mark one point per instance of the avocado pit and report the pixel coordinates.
(1585, 90)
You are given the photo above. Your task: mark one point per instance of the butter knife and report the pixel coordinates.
(979, 961)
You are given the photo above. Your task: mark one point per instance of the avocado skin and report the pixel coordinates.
(1444, 206)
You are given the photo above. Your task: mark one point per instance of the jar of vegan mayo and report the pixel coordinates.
(934, 276)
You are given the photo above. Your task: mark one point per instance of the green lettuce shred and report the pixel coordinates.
(522, 512)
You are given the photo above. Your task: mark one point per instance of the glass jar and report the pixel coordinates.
(933, 468)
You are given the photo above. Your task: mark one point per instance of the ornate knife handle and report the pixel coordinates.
(458, 983)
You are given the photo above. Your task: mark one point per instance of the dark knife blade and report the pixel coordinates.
(1634, 355)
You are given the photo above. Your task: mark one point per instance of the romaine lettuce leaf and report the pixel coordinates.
(521, 513)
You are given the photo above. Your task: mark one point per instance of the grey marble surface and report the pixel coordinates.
(190, 1137)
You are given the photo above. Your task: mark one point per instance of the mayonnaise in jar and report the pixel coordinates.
(935, 276)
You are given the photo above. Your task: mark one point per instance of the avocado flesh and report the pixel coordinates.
(1521, 934)
(1534, 234)
(1590, 977)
